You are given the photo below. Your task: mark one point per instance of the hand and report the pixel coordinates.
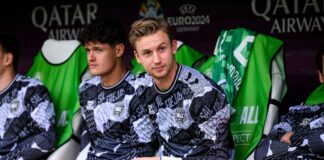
(286, 137)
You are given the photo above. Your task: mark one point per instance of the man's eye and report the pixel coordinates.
(98, 50)
(162, 49)
(147, 53)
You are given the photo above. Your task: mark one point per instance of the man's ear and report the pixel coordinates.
(120, 49)
(174, 46)
(137, 57)
(8, 59)
(320, 76)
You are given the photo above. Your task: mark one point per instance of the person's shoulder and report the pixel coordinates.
(186, 70)
(192, 76)
(143, 83)
(130, 77)
(32, 81)
(304, 109)
(93, 80)
(85, 84)
(144, 79)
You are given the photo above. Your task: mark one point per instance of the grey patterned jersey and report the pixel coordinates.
(26, 120)
(109, 120)
(307, 140)
(191, 117)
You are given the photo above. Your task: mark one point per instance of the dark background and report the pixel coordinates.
(299, 24)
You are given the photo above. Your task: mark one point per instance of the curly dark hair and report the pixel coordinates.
(103, 30)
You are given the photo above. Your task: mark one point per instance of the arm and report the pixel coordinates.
(38, 137)
(286, 137)
(279, 130)
(220, 146)
(145, 141)
(311, 134)
(213, 120)
(85, 142)
(316, 141)
(85, 139)
(299, 118)
(292, 142)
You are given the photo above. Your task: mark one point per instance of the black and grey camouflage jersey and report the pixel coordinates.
(26, 120)
(110, 125)
(191, 117)
(307, 141)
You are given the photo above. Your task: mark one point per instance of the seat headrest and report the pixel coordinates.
(58, 51)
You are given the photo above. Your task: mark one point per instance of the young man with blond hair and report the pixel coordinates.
(189, 111)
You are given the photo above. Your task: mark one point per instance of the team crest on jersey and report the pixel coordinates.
(90, 105)
(150, 109)
(151, 8)
(119, 109)
(14, 105)
(305, 122)
(179, 115)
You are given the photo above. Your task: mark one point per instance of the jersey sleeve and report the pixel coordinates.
(38, 137)
(84, 131)
(212, 113)
(145, 138)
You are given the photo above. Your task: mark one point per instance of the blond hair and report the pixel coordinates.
(148, 26)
